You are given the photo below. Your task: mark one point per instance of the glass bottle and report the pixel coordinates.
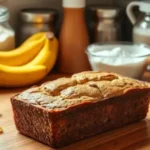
(73, 38)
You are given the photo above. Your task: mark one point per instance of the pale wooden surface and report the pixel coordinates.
(131, 137)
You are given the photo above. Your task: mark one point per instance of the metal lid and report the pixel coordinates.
(106, 12)
(38, 15)
(4, 14)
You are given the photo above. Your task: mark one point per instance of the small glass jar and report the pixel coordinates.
(7, 34)
(107, 27)
(35, 20)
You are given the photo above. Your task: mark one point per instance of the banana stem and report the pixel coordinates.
(50, 35)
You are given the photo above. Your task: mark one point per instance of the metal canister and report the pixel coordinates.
(107, 27)
(35, 20)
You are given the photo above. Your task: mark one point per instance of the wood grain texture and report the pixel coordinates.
(132, 137)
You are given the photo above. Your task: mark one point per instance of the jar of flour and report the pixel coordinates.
(7, 34)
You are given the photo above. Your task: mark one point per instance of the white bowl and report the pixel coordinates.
(124, 58)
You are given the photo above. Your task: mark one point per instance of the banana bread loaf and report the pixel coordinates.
(66, 110)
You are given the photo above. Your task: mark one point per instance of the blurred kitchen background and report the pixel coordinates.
(107, 23)
(15, 6)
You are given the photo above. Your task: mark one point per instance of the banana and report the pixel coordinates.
(12, 76)
(23, 54)
(48, 55)
(34, 37)
(35, 70)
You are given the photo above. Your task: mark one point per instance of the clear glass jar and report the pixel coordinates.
(7, 34)
(107, 28)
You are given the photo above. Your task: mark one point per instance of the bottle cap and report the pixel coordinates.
(74, 3)
(145, 6)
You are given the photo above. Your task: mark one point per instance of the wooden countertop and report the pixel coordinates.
(131, 137)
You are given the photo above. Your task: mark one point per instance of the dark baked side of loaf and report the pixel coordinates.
(66, 110)
(60, 128)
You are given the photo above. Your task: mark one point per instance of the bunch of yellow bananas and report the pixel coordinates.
(30, 62)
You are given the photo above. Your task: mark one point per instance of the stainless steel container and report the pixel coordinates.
(35, 20)
(107, 28)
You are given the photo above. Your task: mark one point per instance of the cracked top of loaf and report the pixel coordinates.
(85, 87)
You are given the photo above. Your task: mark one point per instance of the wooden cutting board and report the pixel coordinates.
(131, 137)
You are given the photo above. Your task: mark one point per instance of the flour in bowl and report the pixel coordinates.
(129, 60)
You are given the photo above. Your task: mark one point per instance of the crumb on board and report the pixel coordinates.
(1, 130)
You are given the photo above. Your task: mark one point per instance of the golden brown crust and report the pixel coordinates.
(81, 88)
